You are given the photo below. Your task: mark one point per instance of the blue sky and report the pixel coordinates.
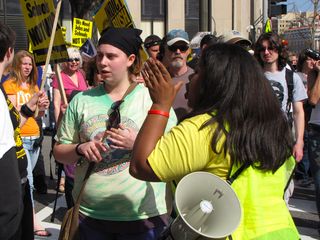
(299, 5)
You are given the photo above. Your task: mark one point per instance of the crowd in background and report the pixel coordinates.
(126, 119)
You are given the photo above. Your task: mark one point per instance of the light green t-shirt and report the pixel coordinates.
(111, 193)
(187, 149)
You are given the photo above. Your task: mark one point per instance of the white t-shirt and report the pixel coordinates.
(279, 85)
(6, 128)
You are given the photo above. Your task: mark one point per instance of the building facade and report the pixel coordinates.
(216, 16)
(160, 16)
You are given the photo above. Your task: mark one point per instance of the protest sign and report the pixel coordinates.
(113, 13)
(81, 31)
(39, 16)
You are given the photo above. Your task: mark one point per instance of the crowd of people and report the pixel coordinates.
(140, 125)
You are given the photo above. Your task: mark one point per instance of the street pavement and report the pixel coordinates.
(302, 204)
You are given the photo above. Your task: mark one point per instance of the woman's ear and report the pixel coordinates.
(131, 59)
(10, 53)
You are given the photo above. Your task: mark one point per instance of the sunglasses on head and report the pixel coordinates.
(73, 59)
(270, 48)
(182, 48)
(114, 116)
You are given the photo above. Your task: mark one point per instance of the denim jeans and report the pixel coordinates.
(32, 152)
(314, 159)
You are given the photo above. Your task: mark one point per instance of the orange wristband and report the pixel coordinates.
(159, 112)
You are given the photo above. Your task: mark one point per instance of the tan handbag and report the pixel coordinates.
(70, 224)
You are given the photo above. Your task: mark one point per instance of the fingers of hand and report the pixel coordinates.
(163, 71)
(148, 71)
(146, 78)
(91, 151)
(154, 68)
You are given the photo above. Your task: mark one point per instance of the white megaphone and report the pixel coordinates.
(207, 207)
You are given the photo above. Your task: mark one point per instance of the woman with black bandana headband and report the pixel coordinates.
(100, 125)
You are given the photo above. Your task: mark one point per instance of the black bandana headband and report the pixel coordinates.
(126, 39)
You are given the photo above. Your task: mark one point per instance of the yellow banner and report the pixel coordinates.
(39, 17)
(113, 13)
(81, 31)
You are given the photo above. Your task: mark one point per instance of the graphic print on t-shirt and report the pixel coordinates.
(114, 160)
(278, 90)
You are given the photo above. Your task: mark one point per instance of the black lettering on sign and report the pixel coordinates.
(37, 10)
(122, 19)
(42, 31)
(113, 7)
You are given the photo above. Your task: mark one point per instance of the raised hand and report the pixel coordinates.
(159, 82)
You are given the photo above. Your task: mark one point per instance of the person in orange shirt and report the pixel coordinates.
(20, 87)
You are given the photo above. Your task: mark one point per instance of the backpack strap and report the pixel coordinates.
(289, 80)
(244, 166)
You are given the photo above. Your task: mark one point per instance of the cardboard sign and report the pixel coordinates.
(81, 31)
(39, 16)
(113, 13)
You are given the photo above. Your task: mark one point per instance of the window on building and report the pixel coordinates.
(13, 7)
(192, 25)
(152, 10)
(1, 5)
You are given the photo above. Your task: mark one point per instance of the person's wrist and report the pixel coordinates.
(159, 112)
(31, 106)
(78, 151)
(160, 107)
(26, 111)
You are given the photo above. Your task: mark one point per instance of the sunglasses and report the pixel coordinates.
(270, 48)
(73, 59)
(114, 116)
(182, 48)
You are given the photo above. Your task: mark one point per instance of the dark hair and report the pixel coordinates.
(243, 108)
(302, 58)
(7, 39)
(208, 39)
(152, 40)
(162, 49)
(274, 41)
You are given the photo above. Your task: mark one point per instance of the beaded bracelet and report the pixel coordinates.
(77, 150)
(159, 112)
(26, 111)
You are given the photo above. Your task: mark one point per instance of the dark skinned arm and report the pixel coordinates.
(162, 93)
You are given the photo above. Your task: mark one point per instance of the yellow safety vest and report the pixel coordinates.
(265, 215)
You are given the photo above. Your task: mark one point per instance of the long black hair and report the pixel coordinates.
(235, 92)
(276, 42)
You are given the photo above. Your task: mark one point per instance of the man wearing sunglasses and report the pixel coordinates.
(272, 56)
(287, 85)
(173, 54)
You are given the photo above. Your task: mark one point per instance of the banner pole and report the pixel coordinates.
(54, 28)
(57, 70)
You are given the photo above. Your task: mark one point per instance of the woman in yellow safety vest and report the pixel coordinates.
(236, 121)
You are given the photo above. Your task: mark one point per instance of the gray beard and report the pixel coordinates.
(176, 64)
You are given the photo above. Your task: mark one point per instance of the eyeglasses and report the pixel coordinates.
(182, 48)
(270, 48)
(114, 116)
(73, 59)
